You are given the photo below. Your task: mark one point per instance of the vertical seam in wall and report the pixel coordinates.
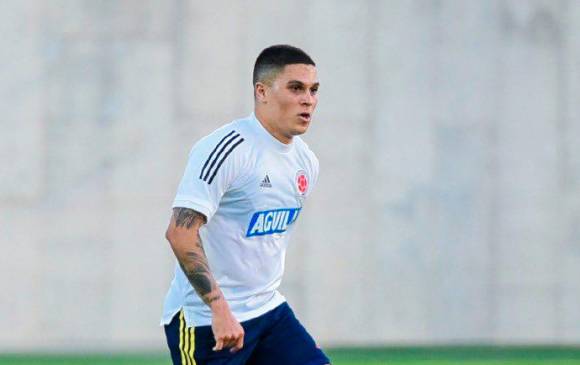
(178, 24)
(563, 159)
(493, 170)
(369, 154)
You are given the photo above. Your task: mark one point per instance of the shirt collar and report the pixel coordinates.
(268, 138)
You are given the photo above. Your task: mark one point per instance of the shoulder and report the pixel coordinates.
(308, 159)
(220, 153)
(304, 150)
(226, 140)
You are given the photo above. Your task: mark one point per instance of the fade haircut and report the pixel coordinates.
(272, 60)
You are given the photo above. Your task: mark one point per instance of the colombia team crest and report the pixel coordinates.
(301, 183)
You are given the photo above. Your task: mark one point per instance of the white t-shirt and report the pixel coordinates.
(251, 187)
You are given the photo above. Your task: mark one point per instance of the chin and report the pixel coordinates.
(302, 127)
(299, 131)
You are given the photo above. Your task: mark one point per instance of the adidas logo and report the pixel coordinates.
(266, 183)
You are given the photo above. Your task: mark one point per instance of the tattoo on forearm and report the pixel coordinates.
(194, 263)
(185, 217)
(196, 268)
(199, 274)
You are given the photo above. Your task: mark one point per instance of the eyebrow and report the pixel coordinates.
(294, 82)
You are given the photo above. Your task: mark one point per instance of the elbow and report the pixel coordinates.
(177, 236)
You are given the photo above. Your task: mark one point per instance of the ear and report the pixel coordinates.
(261, 92)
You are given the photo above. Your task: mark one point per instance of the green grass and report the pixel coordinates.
(469, 355)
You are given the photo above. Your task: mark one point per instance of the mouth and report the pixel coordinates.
(305, 116)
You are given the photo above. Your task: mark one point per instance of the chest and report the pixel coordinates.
(275, 182)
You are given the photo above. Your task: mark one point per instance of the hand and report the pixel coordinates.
(227, 331)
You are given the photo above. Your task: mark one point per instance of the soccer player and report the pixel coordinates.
(242, 191)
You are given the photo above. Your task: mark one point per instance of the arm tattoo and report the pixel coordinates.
(198, 272)
(185, 217)
(194, 261)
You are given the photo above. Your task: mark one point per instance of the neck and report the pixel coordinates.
(269, 125)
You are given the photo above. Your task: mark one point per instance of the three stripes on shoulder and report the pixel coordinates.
(229, 143)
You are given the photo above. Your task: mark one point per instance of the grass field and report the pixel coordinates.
(353, 356)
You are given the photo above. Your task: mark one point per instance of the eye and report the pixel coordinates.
(314, 90)
(296, 88)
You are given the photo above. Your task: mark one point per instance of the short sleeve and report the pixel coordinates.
(315, 169)
(312, 167)
(210, 170)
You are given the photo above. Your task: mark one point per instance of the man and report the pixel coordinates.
(241, 193)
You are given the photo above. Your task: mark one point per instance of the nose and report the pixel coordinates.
(308, 99)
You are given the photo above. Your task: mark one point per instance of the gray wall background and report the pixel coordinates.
(448, 208)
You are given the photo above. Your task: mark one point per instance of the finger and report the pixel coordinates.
(226, 343)
(228, 340)
(238, 345)
(219, 345)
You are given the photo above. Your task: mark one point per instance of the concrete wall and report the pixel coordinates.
(448, 133)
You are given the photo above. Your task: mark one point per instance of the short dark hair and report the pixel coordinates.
(273, 59)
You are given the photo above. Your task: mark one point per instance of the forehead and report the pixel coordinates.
(300, 72)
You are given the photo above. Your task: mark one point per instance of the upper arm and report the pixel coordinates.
(187, 218)
(184, 221)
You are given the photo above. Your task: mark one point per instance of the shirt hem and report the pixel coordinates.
(188, 203)
(193, 320)
(166, 319)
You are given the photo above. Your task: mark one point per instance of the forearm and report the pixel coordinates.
(193, 262)
(188, 248)
(183, 235)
